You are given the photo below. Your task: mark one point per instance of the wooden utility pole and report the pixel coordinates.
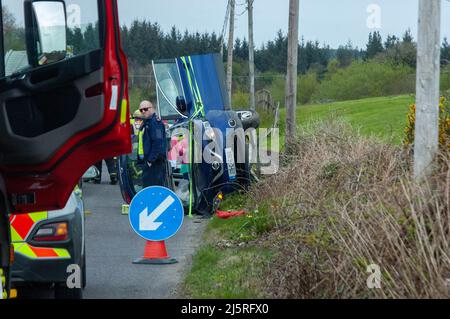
(224, 30)
(251, 55)
(230, 50)
(427, 90)
(291, 81)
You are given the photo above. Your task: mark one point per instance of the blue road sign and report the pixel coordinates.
(156, 213)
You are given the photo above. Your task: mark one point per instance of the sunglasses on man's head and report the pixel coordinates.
(144, 110)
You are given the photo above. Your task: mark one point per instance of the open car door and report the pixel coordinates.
(63, 99)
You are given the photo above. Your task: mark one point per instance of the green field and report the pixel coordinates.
(384, 117)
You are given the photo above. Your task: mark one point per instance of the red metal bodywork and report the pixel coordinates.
(53, 182)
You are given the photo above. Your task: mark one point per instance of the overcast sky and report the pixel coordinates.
(333, 22)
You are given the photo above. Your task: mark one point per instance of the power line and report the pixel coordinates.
(242, 13)
(245, 10)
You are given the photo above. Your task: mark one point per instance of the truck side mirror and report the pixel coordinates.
(181, 105)
(46, 30)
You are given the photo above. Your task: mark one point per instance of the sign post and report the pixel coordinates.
(156, 214)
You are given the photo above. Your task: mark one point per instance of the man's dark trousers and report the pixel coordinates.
(155, 175)
(111, 164)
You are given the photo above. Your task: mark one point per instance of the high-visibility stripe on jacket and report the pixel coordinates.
(141, 154)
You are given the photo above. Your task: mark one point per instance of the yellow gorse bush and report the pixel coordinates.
(444, 124)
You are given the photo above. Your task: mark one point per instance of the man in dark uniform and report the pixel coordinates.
(154, 147)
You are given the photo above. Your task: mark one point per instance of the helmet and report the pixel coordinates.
(138, 115)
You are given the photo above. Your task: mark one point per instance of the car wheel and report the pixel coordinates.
(250, 169)
(63, 292)
(83, 271)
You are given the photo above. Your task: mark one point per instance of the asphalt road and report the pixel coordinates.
(111, 247)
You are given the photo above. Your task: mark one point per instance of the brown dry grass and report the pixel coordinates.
(345, 202)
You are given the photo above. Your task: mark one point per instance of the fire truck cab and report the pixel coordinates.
(63, 103)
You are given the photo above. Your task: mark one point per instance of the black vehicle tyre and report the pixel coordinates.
(250, 122)
(63, 292)
(251, 169)
(83, 271)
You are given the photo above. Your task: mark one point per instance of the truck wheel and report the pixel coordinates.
(83, 271)
(65, 293)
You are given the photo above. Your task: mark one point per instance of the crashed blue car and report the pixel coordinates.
(211, 146)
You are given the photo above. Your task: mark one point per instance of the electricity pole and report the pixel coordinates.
(291, 81)
(224, 30)
(230, 50)
(427, 90)
(251, 54)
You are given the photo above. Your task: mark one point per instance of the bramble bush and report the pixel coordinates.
(359, 80)
(240, 100)
(366, 79)
(345, 202)
(307, 87)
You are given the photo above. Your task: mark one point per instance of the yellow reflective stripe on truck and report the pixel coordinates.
(4, 294)
(25, 250)
(123, 111)
(37, 217)
(41, 253)
(62, 253)
(22, 225)
(15, 237)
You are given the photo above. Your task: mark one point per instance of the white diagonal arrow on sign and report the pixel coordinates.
(147, 222)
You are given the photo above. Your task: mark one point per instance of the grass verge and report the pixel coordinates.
(229, 262)
(233, 258)
(342, 203)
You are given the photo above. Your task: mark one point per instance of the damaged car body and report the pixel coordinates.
(211, 146)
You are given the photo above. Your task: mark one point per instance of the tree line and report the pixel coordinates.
(145, 41)
(382, 67)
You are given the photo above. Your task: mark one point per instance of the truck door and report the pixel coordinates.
(63, 102)
(63, 97)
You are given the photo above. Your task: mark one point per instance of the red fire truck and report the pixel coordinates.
(63, 104)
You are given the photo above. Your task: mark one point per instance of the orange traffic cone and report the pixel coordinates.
(155, 253)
